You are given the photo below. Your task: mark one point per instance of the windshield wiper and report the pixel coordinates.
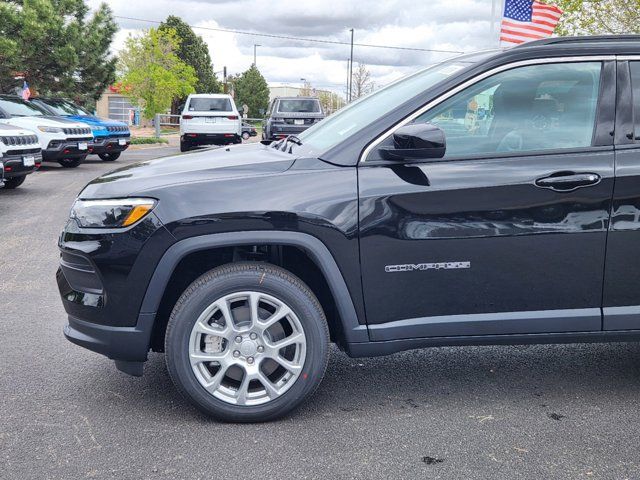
(282, 144)
(293, 139)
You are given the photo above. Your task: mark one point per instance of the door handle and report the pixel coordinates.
(568, 181)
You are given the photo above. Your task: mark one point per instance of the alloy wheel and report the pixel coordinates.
(247, 348)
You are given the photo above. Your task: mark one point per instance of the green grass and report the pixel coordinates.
(147, 140)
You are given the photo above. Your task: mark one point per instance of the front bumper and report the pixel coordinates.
(128, 346)
(69, 148)
(101, 145)
(14, 163)
(102, 280)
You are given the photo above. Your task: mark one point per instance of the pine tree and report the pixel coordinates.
(193, 51)
(60, 49)
(251, 89)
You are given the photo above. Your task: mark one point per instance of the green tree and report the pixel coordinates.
(330, 101)
(591, 17)
(251, 89)
(193, 51)
(152, 75)
(60, 48)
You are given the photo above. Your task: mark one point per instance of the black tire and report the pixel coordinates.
(232, 278)
(246, 135)
(71, 162)
(15, 182)
(109, 157)
(185, 146)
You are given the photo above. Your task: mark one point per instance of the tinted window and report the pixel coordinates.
(635, 84)
(63, 107)
(210, 105)
(538, 107)
(298, 106)
(20, 108)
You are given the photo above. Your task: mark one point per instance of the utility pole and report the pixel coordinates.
(255, 45)
(346, 95)
(224, 79)
(351, 68)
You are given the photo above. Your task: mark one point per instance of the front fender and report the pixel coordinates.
(354, 332)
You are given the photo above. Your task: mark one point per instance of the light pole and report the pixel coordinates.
(255, 45)
(351, 68)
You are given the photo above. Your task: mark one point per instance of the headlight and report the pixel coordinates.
(112, 213)
(42, 128)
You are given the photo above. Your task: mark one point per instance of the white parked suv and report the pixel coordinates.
(209, 119)
(62, 141)
(19, 155)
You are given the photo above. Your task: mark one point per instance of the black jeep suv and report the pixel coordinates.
(291, 116)
(490, 199)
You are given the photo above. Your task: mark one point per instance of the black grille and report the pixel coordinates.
(15, 140)
(117, 128)
(76, 131)
(22, 152)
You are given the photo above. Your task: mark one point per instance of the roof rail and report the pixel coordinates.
(582, 39)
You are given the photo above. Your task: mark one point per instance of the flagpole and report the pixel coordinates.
(497, 9)
(492, 28)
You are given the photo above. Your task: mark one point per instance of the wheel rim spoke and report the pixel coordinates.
(254, 302)
(243, 389)
(288, 365)
(282, 312)
(200, 357)
(216, 380)
(271, 390)
(206, 329)
(285, 342)
(223, 306)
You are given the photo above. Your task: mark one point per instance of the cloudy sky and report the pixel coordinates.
(447, 25)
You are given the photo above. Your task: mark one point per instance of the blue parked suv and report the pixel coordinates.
(110, 138)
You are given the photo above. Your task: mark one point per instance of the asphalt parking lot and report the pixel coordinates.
(547, 412)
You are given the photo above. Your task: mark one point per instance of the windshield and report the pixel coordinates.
(17, 107)
(64, 107)
(210, 105)
(298, 106)
(353, 118)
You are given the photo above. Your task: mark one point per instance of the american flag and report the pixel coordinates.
(526, 20)
(26, 93)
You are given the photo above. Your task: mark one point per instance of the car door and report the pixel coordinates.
(507, 233)
(621, 299)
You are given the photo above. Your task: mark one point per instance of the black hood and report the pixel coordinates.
(220, 163)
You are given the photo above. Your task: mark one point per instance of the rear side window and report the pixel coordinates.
(635, 85)
(298, 106)
(210, 105)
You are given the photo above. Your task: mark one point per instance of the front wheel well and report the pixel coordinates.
(291, 258)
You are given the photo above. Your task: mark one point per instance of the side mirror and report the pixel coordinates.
(416, 142)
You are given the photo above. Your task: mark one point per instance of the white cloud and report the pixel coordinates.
(461, 25)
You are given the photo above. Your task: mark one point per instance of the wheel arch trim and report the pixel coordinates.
(352, 330)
